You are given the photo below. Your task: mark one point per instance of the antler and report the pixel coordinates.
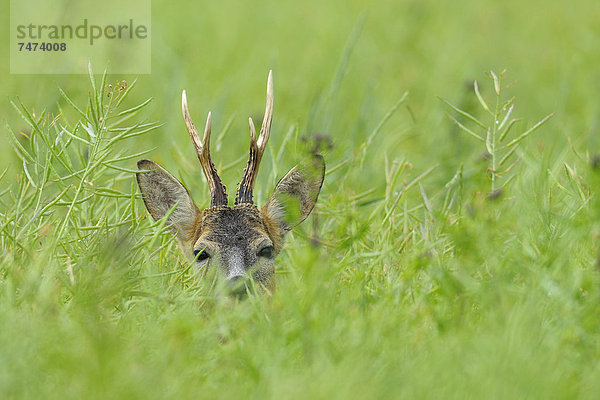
(218, 195)
(257, 148)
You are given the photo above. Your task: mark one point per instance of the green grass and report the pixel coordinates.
(428, 282)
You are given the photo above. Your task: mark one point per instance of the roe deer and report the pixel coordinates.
(240, 241)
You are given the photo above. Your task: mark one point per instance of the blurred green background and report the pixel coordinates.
(423, 287)
(221, 53)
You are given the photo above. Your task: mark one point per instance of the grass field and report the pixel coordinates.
(457, 250)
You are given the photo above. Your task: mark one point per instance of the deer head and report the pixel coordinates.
(242, 241)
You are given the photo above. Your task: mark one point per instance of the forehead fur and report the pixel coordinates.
(226, 224)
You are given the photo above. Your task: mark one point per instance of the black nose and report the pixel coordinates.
(237, 286)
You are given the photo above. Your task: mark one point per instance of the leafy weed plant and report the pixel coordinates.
(500, 143)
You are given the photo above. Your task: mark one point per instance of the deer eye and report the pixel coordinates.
(266, 252)
(201, 255)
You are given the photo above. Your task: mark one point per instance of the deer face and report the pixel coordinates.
(240, 242)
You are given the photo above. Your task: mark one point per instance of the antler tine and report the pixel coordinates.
(257, 149)
(218, 194)
(265, 130)
(252, 130)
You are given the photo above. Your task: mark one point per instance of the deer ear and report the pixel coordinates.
(296, 194)
(161, 191)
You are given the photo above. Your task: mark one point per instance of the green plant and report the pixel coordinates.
(73, 197)
(495, 132)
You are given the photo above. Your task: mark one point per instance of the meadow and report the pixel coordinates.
(453, 251)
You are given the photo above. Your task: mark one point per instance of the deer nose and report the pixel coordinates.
(235, 265)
